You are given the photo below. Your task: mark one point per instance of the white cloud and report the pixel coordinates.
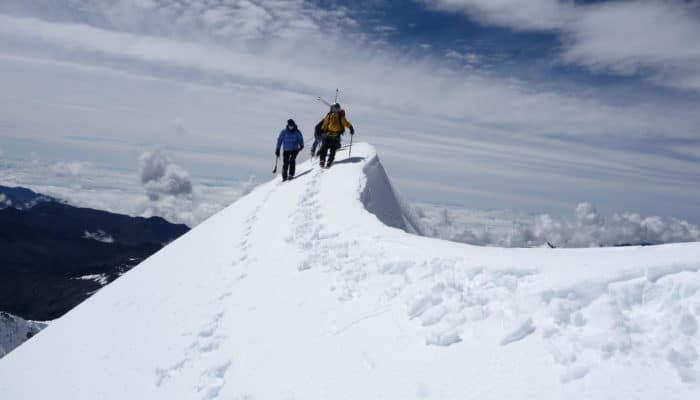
(623, 37)
(588, 228)
(152, 166)
(585, 228)
(161, 177)
(230, 22)
(68, 169)
(469, 58)
(385, 29)
(628, 38)
(393, 87)
(100, 236)
(533, 15)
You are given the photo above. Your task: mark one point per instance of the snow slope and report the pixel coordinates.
(296, 291)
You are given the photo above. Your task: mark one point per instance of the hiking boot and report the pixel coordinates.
(322, 163)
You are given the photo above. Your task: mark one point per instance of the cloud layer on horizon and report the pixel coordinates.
(585, 228)
(154, 186)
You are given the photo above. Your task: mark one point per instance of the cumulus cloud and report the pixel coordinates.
(654, 38)
(588, 228)
(585, 228)
(161, 177)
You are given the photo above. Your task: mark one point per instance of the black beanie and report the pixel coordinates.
(291, 122)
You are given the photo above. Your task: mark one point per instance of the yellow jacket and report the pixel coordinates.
(333, 124)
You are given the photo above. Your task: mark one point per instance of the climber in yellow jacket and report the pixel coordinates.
(333, 126)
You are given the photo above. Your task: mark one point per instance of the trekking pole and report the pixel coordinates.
(274, 171)
(350, 150)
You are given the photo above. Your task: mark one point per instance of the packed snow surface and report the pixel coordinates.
(297, 291)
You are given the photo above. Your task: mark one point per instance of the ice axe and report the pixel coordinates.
(274, 171)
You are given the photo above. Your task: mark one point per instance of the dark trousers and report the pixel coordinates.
(331, 144)
(289, 163)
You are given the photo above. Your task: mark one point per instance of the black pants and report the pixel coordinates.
(289, 163)
(330, 143)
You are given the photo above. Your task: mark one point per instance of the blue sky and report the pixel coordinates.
(501, 104)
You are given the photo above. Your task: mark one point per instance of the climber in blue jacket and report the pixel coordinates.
(292, 142)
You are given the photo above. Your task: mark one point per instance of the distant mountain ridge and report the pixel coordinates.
(53, 255)
(22, 198)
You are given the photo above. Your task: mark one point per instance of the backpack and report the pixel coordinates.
(341, 116)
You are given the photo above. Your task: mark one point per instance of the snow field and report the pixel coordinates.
(296, 291)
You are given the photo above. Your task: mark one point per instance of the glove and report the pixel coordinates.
(277, 152)
(301, 148)
(352, 131)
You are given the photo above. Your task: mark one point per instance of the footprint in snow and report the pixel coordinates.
(224, 296)
(213, 380)
(575, 373)
(523, 331)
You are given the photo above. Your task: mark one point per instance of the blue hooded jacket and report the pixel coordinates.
(292, 140)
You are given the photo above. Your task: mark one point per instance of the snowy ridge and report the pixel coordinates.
(296, 291)
(380, 198)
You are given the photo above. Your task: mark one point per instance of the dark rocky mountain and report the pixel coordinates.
(53, 255)
(21, 198)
